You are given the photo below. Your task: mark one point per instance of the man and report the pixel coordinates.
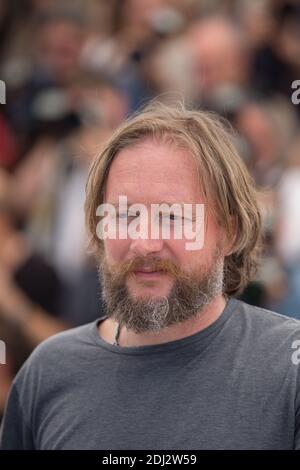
(176, 363)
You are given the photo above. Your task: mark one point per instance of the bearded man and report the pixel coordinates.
(176, 362)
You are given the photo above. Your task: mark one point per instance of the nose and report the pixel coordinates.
(146, 246)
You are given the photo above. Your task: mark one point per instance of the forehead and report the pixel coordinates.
(154, 171)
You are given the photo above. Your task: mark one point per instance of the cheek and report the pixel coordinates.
(116, 250)
(180, 254)
(189, 259)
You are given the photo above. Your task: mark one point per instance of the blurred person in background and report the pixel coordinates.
(51, 182)
(17, 349)
(137, 30)
(221, 59)
(30, 288)
(267, 127)
(58, 37)
(287, 234)
(273, 29)
(8, 147)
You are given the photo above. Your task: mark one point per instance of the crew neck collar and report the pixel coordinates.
(170, 345)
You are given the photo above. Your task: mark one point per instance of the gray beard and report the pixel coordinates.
(186, 300)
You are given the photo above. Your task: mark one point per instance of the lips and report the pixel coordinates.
(147, 273)
(146, 270)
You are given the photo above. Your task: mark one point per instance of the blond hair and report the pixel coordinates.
(225, 181)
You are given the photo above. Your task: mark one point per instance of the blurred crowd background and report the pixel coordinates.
(73, 71)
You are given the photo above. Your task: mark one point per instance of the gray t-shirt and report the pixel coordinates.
(233, 385)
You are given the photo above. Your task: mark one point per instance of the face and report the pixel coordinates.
(147, 271)
(60, 45)
(218, 59)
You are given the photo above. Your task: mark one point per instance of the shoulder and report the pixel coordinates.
(265, 331)
(266, 320)
(64, 342)
(57, 355)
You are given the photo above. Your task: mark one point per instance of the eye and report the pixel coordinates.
(174, 217)
(170, 217)
(122, 215)
(133, 215)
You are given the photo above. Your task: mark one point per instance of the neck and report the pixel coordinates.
(129, 338)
